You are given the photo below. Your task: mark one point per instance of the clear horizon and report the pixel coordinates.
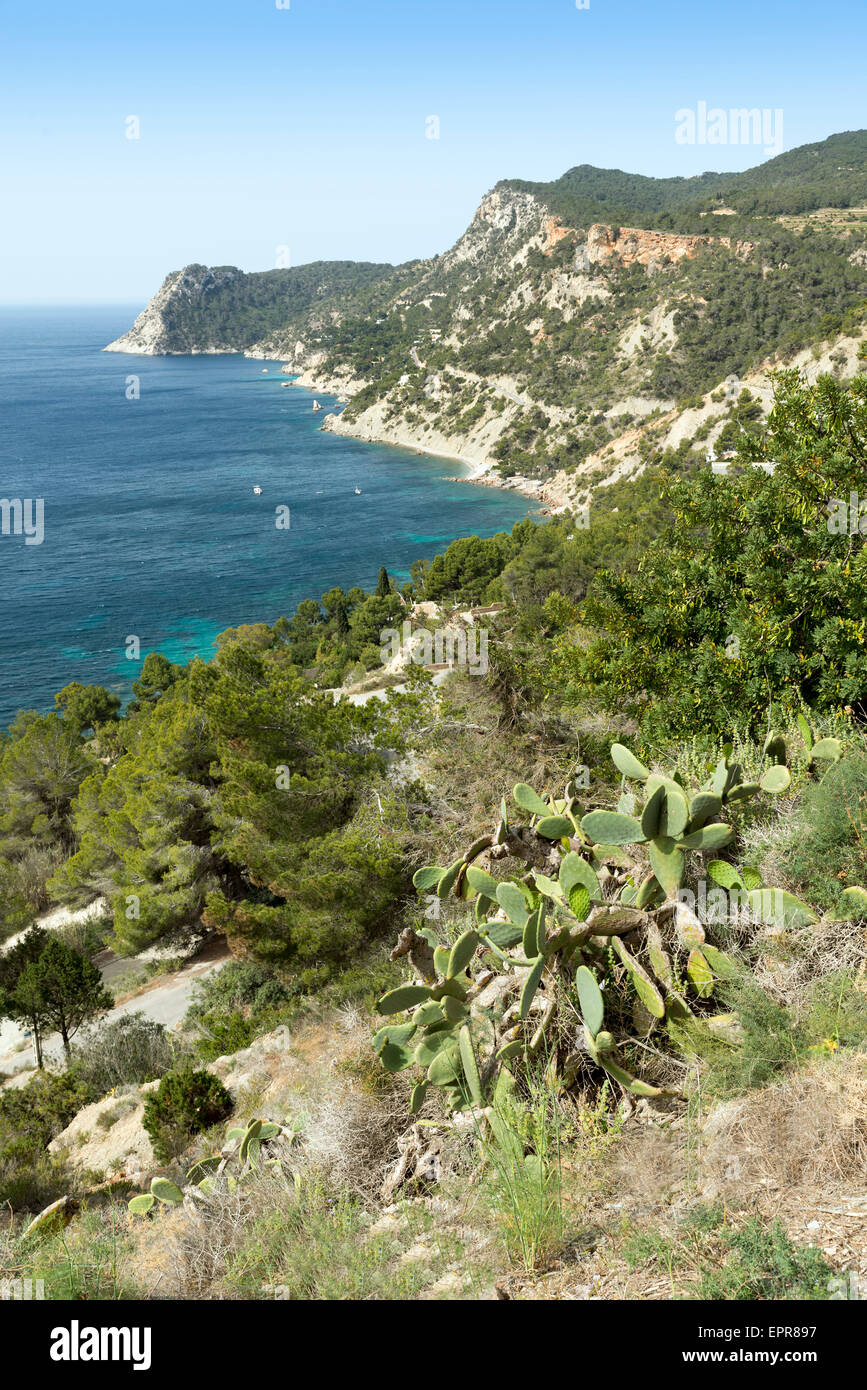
(136, 142)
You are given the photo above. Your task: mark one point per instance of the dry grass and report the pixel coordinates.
(352, 1136)
(186, 1255)
(809, 1128)
(789, 967)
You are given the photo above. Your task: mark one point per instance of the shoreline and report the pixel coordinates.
(550, 499)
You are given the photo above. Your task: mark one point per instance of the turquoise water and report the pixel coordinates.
(151, 526)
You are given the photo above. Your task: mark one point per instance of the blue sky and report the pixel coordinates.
(306, 126)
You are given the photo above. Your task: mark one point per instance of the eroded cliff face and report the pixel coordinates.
(633, 245)
(504, 223)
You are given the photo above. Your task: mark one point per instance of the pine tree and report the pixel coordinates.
(19, 1000)
(69, 988)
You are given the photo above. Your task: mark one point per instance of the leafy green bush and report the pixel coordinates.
(761, 1262)
(30, 1179)
(586, 890)
(185, 1103)
(755, 594)
(772, 1038)
(45, 1106)
(836, 1012)
(234, 1005)
(238, 986)
(769, 1040)
(755, 1261)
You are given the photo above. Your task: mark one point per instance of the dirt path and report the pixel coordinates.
(165, 1000)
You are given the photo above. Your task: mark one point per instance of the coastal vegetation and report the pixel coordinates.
(539, 976)
(538, 925)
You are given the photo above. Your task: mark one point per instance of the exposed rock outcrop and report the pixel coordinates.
(629, 245)
(545, 349)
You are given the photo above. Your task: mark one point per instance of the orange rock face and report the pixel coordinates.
(629, 245)
(554, 232)
(632, 244)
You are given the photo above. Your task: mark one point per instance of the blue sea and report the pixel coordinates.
(151, 526)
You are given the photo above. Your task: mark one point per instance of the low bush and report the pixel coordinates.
(126, 1052)
(836, 1012)
(769, 1040)
(234, 1005)
(773, 1037)
(29, 1178)
(45, 1106)
(707, 1258)
(29, 1119)
(185, 1103)
(825, 848)
(238, 986)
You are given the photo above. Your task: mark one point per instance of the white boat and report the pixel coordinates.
(358, 492)
(264, 371)
(316, 405)
(285, 383)
(257, 490)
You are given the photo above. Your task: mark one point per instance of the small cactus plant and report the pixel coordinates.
(243, 1152)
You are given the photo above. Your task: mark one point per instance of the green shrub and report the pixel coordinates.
(239, 985)
(185, 1103)
(707, 1258)
(773, 1038)
(29, 1119)
(44, 1107)
(770, 1040)
(29, 1178)
(225, 1036)
(89, 1260)
(827, 846)
(836, 1012)
(761, 1262)
(752, 596)
(234, 1005)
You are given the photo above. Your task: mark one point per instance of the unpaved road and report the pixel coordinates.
(165, 1001)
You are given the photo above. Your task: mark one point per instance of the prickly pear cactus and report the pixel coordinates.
(245, 1153)
(582, 929)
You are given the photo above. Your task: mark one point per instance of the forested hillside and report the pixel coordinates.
(592, 908)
